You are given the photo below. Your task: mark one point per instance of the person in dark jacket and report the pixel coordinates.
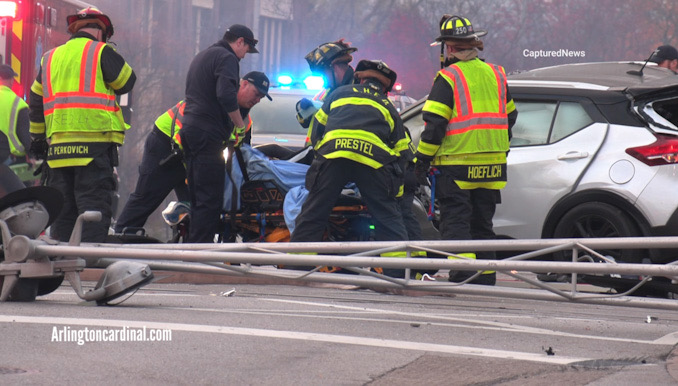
(211, 115)
(161, 169)
(359, 136)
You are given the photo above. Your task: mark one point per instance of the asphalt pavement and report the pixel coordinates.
(252, 334)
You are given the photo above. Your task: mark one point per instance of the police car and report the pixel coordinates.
(275, 122)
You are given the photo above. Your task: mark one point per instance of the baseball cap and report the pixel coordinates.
(240, 31)
(260, 81)
(6, 72)
(663, 53)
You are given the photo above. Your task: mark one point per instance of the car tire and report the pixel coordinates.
(598, 219)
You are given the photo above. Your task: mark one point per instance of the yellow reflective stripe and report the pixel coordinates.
(437, 108)
(470, 159)
(510, 106)
(403, 254)
(37, 128)
(354, 157)
(427, 148)
(463, 256)
(15, 142)
(394, 254)
(321, 116)
(122, 78)
(466, 185)
(467, 256)
(365, 102)
(85, 136)
(401, 191)
(62, 163)
(36, 87)
(403, 144)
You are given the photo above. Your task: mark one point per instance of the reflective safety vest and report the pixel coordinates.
(362, 134)
(164, 123)
(10, 104)
(476, 139)
(82, 117)
(241, 134)
(176, 115)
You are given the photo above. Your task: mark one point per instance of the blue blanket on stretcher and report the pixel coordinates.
(288, 175)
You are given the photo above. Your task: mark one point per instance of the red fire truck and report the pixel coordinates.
(28, 29)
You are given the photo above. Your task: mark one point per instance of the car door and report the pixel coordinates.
(554, 141)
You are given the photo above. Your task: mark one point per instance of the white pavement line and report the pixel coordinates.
(138, 294)
(305, 336)
(668, 340)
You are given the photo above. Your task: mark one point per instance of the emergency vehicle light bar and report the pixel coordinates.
(8, 9)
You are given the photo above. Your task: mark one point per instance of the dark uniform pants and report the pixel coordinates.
(378, 187)
(206, 172)
(155, 182)
(405, 202)
(89, 187)
(466, 214)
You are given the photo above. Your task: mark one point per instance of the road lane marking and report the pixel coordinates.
(294, 335)
(669, 339)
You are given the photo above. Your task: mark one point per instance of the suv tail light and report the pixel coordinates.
(664, 151)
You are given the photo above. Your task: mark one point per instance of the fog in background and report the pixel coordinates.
(160, 37)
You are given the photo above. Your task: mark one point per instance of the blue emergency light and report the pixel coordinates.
(314, 82)
(284, 80)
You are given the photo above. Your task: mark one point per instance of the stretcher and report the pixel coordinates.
(260, 213)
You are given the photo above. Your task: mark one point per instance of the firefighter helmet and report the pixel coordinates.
(378, 70)
(90, 15)
(328, 54)
(458, 27)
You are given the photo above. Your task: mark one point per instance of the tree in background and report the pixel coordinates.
(405, 46)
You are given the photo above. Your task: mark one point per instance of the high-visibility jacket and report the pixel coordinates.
(241, 135)
(10, 105)
(173, 115)
(359, 123)
(82, 117)
(476, 138)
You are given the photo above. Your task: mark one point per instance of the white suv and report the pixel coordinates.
(594, 154)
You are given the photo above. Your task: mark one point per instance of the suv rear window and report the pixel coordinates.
(536, 124)
(668, 109)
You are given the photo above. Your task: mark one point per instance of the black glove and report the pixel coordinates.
(39, 148)
(421, 172)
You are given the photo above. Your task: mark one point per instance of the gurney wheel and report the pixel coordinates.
(49, 285)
